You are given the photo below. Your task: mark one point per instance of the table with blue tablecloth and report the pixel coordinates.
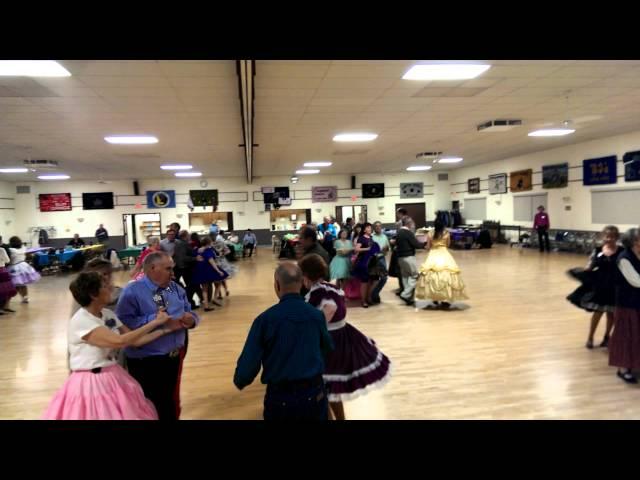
(41, 259)
(463, 236)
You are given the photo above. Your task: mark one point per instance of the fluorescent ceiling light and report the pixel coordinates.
(551, 132)
(13, 170)
(450, 160)
(306, 172)
(54, 177)
(318, 164)
(418, 168)
(355, 137)
(176, 167)
(32, 68)
(445, 71)
(131, 139)
(188, 174)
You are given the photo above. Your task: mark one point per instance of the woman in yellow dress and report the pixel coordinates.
(439, 279)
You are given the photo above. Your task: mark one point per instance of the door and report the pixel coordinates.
(417, 211)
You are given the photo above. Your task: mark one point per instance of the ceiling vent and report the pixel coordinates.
(41, 164)
(499, 125)
(23, 189)
(443, 177)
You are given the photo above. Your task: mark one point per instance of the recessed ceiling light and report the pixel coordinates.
(13, 170)
(445, 71)
(355, 137)
(418, 168)
(551, 132)
(188, 174)
(32, 68)
(307, 172)
(450, 160)
(176, 167)
(131, 139)
(54, 177)
(318, 164)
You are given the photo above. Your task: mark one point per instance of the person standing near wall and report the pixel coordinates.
(541, 224)
(102, 235)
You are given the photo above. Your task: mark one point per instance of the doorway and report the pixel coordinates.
(357, 212)
(138, 227)
(417, 211)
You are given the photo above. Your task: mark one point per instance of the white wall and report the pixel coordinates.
(578, 196)
(7, 210)
(246, 214)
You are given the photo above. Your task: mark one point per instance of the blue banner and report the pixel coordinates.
(161, 199)
(600, 171)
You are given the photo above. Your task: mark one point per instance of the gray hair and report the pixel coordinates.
(153, 258)
(288, 275)
(153, 241)
(631, 238)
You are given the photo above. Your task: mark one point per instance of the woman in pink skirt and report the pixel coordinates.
(624, 346)
(98, 388)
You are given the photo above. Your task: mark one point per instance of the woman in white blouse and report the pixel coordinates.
(98, 388)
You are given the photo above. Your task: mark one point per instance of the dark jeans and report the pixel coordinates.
(382, 281)
(248, 246)
(543, 233)
(158, 375)
(296, 404)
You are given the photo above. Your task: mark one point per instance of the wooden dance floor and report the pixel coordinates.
(515, 351)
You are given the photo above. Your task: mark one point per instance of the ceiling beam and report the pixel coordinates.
(246, 73)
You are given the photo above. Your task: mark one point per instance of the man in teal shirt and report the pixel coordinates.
(289, 341)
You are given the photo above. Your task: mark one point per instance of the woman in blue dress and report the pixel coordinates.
(340, 267)
(365, 248)
(207, 271)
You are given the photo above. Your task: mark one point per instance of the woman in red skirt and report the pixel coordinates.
(624, 346)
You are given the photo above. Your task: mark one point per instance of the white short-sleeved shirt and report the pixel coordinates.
(18, 255)
(83, 356)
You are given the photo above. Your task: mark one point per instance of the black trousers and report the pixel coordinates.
(158, 375)
(191, 287)
(543, 233)
(248, 246)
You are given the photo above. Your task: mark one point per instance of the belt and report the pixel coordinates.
(296, 384)
(96, 370)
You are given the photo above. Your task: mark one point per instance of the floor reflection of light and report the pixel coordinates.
(37, 364)
(371, 406)
(553, 387)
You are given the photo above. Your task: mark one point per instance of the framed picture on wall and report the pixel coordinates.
(555, 176)
(600, 171)
(473, 185)
(631, 166)
(498, 183)
(521, 181)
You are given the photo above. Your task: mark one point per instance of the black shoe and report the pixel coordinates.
(627, 377)
(589, 345)
(409, 303)
(195, 307)
(8, 310)
(605, 342)
(209, 309)
(398, 293)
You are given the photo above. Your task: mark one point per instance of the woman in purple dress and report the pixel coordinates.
(207, 271)
(355, 365)
(365, 248)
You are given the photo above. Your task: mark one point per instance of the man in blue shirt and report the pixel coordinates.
(330, 234)
(289, 341)
(249, 243)
(157, 366)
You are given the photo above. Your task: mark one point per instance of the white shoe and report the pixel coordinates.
(25, 300)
